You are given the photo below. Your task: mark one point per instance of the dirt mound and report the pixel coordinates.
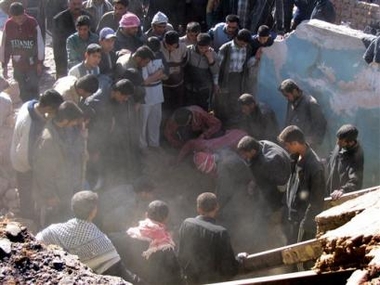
(23, 260)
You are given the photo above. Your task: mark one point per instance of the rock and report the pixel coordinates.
(30, 262)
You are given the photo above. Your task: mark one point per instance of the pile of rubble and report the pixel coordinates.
(23, 260)
(350, 238)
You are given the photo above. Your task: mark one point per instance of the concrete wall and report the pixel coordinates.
(359, 14)
(326, 61)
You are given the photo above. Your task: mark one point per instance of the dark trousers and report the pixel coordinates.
(200, 97)
(227, 107)
(24, 186)
(28, 82)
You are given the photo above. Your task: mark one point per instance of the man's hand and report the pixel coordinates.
(210, 56)
(336, 194)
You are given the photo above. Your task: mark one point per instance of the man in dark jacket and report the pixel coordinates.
(305, 189)
(270, 166)
(345, 165)
(63, 27)
(205, 252)
(259, 121)
(304, 111)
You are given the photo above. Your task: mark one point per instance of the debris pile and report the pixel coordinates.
(23, 260)
(356, 243)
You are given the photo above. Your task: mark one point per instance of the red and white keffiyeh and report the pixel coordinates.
(155, 233)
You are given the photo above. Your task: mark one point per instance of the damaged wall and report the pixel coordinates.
(358, 13)
(326, 61)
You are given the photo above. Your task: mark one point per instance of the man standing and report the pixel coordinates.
(345, 164)
(304, 111)
(259, 120)
(205, 252)
(111, 19)
(29, 125)
(305, 189)
(201, 73)
(22, 41)
(63, 27)
(127, 34)
(56, 171)
(77, 43)
(224, 32)
(233, 58)
(97, 8)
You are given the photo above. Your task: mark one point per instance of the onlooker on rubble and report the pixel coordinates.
(77, 43)
(304, 111)
(151, 109)
(76, 89)
(345, 164)
(107, 156)
(159, 26)
(259, 120)
(224, 32)
(201, 73)
(111, 19)
(57, 164)
(90, 64)
(233, 59)
(270, 167)
(263, 38)
(97, 8)
(306, 187)
(22, 41)
(127, 35)
(205, 252)
(174, 10)
(63, 27)
(81, 237)
(107, 63)
(148, 249)
(304, 8)
(175, 55)
(31, 119)
(192, 31)
(7, 123)
(232, 176)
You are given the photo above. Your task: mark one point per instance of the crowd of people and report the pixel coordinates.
(133, 76)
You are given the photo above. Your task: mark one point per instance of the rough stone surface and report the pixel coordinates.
(23, 260)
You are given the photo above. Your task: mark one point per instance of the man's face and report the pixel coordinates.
(119, 97)
(241, 44)
(291, 147)
(75, 6)
(107, 44)
(19, 19)
(159, 29)
(132, 31)
(203, 49)
(231, 28)
(290, 96)
(83, 32)
(248, 155)
(172, 47)
(247, 109)
(263, 40)
(93, 59)
(119, 9)
(192, 36)
(344, 144)
(142, 62)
